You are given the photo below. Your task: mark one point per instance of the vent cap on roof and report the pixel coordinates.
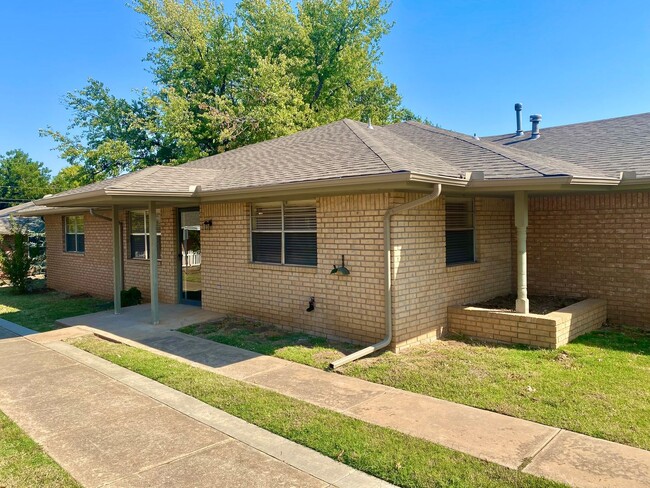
(535, 119)
(518, 107)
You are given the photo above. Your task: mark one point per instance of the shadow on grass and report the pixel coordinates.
(272, 340)
(617, 338)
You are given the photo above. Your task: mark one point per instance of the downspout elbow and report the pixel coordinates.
(103, 217)
(388, 294)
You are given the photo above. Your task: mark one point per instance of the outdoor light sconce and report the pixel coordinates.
(207, 224)
(312, 304)
(340, 269)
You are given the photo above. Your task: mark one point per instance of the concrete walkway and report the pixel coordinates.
(111, 427)
(554, 453)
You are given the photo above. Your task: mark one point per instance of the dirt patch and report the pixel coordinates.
(538, 304)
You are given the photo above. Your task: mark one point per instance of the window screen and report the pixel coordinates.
(459, 231)
(139, 234)
(284, 233)
(74, 234)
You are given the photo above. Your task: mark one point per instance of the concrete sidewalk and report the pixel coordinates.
(110, 427)
(554, 453)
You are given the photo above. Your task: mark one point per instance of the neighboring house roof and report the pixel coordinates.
(32, 224)
(608, 146)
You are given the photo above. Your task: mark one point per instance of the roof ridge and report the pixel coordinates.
(354, 131)
(137, 176)
(447, 133)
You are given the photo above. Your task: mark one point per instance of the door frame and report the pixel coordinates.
(179, 240)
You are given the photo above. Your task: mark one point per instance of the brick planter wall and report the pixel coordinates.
(552, 330)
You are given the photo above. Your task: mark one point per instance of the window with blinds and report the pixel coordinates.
(284, 233)
(459, 230)
(139, 234)
(74, 234)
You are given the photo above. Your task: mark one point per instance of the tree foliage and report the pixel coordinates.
(225, 80)
(72, 176)
(21, 178)
(16, 260)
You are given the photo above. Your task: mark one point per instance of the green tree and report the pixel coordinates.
(225, 80)
(72, 176)
(16, 260)
(21, 178)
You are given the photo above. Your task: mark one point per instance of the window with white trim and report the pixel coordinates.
(139, 234)
(74, 234)
(284, 233)
(459, 230)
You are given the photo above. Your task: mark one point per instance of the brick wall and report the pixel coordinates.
(349, 307)
(424, 286)
(352, 307)
(552, 330)
(595, 246)
(136, 271)
(92, 271)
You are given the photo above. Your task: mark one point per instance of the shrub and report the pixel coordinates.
(15, 260)
(130, 297)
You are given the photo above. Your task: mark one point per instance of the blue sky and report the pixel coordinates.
(462, 64)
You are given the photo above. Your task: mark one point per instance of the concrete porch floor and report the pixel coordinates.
(135, 321)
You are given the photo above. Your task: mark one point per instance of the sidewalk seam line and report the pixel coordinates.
(528, 461)
(373, 397)
(168, 461)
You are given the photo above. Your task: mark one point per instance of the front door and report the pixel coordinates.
(190, 256)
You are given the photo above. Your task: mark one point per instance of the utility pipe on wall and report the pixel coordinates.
(388, 282)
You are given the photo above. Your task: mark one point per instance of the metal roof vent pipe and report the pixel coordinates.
(518, 107)
(535, 119)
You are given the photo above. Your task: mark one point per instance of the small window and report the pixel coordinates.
(459, 231)
(139, 234)
(284, 233)
(74, 234)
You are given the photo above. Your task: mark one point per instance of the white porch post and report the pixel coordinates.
(153, 262)
(521, 222)
(117, 261)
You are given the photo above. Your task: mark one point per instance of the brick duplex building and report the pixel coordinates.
(370, 234)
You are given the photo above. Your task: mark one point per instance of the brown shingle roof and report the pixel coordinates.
(347, 149)
(608, 146)
(470, 154)
(342, 149)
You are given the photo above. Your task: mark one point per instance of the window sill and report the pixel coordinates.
(141, 260)
(463, 266)
(74, 253)
(289, 267)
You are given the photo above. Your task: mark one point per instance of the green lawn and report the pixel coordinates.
(23, 462)
(40, 309)
(385, 453)
(598, 385)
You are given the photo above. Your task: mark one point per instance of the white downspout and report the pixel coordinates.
(388, 282)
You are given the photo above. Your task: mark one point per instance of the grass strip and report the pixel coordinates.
(23, 463)
(40, 309)
(597, 385)
(387, 454)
